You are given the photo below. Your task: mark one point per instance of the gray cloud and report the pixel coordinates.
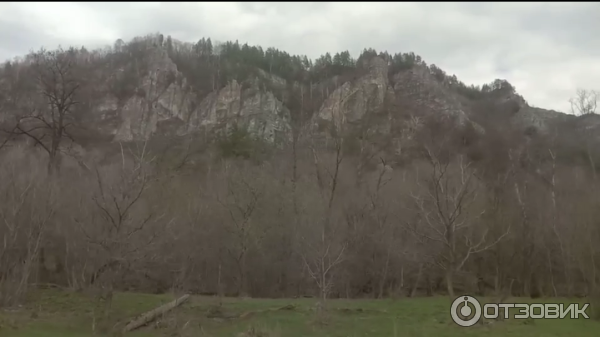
(546, 50)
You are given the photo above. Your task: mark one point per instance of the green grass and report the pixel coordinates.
(51, 313)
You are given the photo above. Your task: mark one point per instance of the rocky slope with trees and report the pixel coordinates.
(229, 169)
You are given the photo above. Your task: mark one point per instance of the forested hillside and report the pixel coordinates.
(224, 168)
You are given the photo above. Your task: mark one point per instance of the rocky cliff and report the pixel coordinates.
(172, 107)
(165, 103)
(164, 97)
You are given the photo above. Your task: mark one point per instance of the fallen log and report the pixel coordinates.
(154, 313)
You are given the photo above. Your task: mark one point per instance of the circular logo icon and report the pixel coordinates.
(461, 304)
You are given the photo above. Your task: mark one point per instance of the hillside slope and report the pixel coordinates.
(154, 86)
(229, 169)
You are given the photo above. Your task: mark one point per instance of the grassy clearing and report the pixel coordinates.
(51, 313)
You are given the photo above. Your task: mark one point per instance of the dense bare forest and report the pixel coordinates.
(399, 200)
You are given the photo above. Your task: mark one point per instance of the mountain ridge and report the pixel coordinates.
(177, 87)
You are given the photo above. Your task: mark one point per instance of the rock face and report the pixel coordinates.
(352, 101)
(256, 110)
(415, 92)
(423, 94)
(165, 103)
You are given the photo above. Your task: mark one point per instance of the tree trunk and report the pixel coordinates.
(384, 276)
(429, 286)
(450, 282)
(413, 292)
(497, 282)
(152, 314)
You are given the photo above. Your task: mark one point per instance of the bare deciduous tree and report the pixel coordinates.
(325, 253)
(242, 197)
(585, 102)
(58, 83)
(122, 226)
(445, 210)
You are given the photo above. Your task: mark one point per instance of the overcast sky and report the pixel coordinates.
(546, 50)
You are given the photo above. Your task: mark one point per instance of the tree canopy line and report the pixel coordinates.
(301, 69)
(438, 209)
(240, 61)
